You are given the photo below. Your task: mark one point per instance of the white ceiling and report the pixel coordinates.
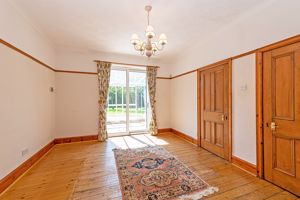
(107, 25)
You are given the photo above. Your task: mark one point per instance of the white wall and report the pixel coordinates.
(184, 104)
(26, 104)
(20, 31)
(244, 108)
(163, 99)
(77, 104)
(271, 22)
(26, 107)
(83, 60)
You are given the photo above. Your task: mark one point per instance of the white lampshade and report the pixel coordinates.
(163, 39)
(150, 32)
(135, 39)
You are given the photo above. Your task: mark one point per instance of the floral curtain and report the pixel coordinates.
(103, 69)
(151, 77)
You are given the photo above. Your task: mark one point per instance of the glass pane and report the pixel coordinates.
(116, 110)
(137, 101)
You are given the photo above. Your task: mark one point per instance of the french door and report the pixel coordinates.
(127, 102)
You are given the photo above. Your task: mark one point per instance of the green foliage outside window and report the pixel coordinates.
(136, 99)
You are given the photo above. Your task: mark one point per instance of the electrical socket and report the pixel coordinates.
(24, 152)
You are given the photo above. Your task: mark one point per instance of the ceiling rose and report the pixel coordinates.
(149, 47)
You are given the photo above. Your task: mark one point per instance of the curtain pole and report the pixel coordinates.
(129, 64)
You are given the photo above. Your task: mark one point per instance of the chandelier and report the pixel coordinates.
(149, 47)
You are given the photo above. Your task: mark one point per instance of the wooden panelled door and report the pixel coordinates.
(214, 110)
(281, 94)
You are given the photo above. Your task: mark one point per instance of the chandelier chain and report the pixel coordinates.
(148, 18)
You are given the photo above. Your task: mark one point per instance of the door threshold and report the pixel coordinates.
(134, 133)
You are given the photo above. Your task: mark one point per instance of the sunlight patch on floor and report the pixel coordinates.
(136, 141)
(143, 139)
(156, 140)
(119, 142)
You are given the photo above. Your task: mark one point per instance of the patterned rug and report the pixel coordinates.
(152, 173)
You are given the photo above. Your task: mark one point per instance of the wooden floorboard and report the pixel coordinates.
(87, 171)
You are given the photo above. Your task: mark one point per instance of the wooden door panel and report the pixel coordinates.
(283, 156)
(207, 132)
(281, 101)
(206, 90)
(214, 110)
(283, 87)
(219, 91)
(219, 135)
(213, 116)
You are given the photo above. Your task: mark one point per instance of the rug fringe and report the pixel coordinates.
(199, 195)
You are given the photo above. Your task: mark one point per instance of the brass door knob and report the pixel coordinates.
(273, 126)
(223, 117)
